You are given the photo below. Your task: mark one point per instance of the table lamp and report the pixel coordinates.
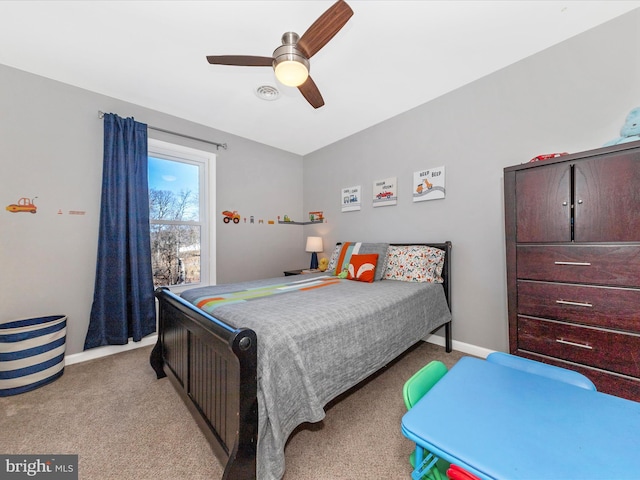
(314, 245)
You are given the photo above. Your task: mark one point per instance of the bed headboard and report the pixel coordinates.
(446, 269)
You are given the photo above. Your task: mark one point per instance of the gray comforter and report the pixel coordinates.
(314, 345)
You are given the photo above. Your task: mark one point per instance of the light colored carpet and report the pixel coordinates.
(125, 424)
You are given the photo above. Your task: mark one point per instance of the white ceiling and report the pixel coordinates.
(390, 57)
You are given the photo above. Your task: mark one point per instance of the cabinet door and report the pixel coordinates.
(607, 199)
(543, 204)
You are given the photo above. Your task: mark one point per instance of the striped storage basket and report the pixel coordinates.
(31, 353)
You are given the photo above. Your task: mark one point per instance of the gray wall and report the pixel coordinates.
(569, 98)
(51, 148)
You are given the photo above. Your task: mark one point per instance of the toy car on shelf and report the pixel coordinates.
(547, 156)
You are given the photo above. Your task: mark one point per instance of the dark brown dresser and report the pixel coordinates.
(572, 228)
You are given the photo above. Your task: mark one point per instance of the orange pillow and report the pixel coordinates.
(362, 267)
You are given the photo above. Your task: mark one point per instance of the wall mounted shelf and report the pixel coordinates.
(300, 223)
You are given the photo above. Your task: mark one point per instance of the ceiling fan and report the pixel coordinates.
(291, 59)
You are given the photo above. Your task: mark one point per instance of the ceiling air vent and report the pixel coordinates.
(267, 92)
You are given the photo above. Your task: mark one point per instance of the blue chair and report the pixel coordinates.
(543, 369)
(432, 467)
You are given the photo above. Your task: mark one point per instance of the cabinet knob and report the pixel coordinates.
(579, 202)
(564, 204)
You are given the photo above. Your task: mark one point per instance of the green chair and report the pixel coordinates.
(414, 389)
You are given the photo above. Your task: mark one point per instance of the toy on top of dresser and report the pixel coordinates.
(630, 131)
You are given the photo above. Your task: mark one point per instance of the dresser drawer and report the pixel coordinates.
(613, 351)
(611, 307)
(598, 264)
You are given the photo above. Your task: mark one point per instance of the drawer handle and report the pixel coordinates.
(575, 304)
(579, 264)
(573, 344)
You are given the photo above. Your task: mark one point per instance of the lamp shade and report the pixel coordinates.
(314, 244)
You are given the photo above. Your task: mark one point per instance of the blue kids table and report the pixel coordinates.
(499, 422)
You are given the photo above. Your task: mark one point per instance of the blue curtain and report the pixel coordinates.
(123, 301)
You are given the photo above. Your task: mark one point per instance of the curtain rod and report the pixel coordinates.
(218, 145)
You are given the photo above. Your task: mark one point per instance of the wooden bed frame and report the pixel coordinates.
(213, 367)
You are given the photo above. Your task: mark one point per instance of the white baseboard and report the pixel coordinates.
(460, 346)
(151, 340)
(108, 350)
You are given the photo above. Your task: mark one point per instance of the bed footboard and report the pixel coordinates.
(213, 368)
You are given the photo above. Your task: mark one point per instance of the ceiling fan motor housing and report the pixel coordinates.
(289, 55)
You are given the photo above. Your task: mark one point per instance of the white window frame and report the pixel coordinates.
(206, 161)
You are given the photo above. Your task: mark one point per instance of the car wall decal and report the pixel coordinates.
(23, 205)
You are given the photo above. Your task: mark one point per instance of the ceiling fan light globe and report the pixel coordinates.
(291, 73)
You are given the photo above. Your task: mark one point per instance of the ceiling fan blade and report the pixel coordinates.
(324, 28)
(310, 91)
(240, 60)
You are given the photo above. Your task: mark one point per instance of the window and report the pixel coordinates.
(182, 240)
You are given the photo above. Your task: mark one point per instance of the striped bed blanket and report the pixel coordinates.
(208, 303)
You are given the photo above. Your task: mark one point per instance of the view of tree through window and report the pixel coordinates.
(175, 221)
